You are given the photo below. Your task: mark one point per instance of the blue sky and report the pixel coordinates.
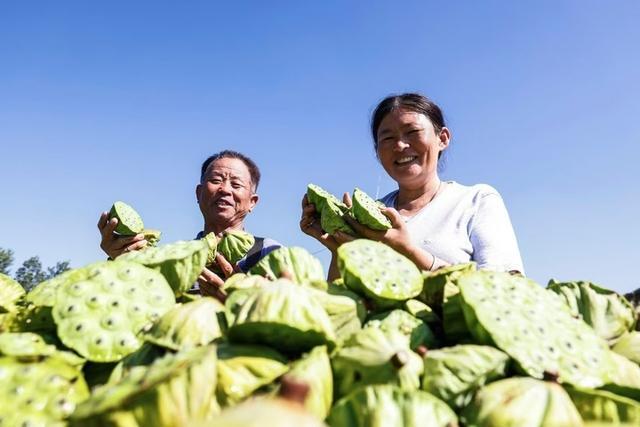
(123, 101)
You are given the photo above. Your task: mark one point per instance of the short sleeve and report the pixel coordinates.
(492, 237)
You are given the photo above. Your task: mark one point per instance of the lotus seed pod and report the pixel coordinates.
(145, 355)
(319, 197)
(152, 236)
(332, 219)
(440, 285)
(28, 318)
(607, 408)
(345, 309)
(235, 244)
(243, 281)
(370, 357)
(283, 315)
(129, 222)
(624, 377)
(176, 390)
(296, 263)
(398, 320)
(314, 369)
(421, 310)
(212, 242)
(100, 312)
(180, 262)
(24, 345)
(44, 294)
(523, 402)
(367, 212)
(533, 327)
(43, 393)
(386, 405)
(453, 374)
(197, 323)
(377, 271)
(629, 346)
(10, 292)
(234, 302)
(242, 369)
(610, 314)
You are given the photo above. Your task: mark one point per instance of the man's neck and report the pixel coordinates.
(218, 228)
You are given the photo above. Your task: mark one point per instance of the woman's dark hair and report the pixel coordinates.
(409, 101)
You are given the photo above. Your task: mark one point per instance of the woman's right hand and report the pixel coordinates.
(310, 224)
(114, 245)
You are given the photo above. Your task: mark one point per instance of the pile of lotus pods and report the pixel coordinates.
(124, 343)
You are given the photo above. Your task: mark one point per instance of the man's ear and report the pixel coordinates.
(254, 201)
(198, 189)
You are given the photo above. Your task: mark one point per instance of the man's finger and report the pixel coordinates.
(224, 265)
(122, 242)
(136, 246)
(211, 277)
(102, 222)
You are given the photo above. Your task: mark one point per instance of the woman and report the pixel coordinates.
(434, 223)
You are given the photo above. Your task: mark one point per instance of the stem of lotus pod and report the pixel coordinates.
(550, 376)
(422, 350)
(399, 359)
(293, 390)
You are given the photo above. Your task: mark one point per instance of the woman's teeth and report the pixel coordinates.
(405, 160)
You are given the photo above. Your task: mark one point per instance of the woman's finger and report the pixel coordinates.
(394, 217)
(346, 198)
(342, 237)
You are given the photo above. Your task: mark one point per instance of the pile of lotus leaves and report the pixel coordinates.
(122, 343)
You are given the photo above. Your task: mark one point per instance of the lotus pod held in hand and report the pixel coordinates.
(283, 315)
(367, 212)
(372, 356)
(212, 242)
(35, 394)
(101, 311)
(520, 401)
(375, 270)
(129, 221)
(294, 263)
(180, 262)
(176, 390)
(319, 197)
(453, 374)
(399, 320)
(610, 314)
(602, 406)
(242, 369)
(332, 219)
(314, 369)
(235, 244)
(391, 406)
(629, 346)
(188, 325)
(152, 236)
(533, 327)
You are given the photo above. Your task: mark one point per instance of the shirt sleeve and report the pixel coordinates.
(494, 242)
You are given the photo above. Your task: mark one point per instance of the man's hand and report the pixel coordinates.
(211, 285)
(310, 224)
(114, 245)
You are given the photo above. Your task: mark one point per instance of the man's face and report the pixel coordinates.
(225, 194)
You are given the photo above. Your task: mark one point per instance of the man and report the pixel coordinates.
(226, 194)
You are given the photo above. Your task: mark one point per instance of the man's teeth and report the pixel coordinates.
(404, 160)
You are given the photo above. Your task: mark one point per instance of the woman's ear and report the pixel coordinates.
(444, 136)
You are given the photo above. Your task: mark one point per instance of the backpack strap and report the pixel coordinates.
(254, 254)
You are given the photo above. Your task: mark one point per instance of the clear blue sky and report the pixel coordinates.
(123, 101)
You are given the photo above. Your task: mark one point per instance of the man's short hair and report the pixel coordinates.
(254, 172)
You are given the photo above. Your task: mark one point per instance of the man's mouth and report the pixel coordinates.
(405, 160)
(223, 202)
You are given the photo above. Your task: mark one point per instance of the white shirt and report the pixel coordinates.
(465, 223)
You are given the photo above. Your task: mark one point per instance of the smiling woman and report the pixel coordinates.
(435, 223)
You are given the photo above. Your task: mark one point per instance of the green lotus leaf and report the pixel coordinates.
(374, 269)
(610, 314)
(629, 346)
(533, 327)
(453, 374)
(605, 407)
(176, 390)
(367, 211)
(180, 262)
(387, 405)
(242, 369)
(188, 325)
(373, 356)
(129, 221)
(284, 315)
(525, 402)
(314, 369)
(10, 292)
(293, 263)
(43, 393)
(415, 329)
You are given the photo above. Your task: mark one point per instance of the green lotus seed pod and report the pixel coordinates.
(346, 310)
(212, 241)
(294, 263)
(386, 405)
(629, 346)
(176, 390)
(453, 374)
(332, 219)
(129, 222)
(24, 345)
(604, 407)
(188, 325)
(377, 271)
(398, 320)
(533, 327)
(421, 310)
(145, 355)
(10, 292)
(314, 369)
(243, 281)
(367, 212)
(283, 315)
(235, 244)
(152, 236)
(242, 369)
(101, 311)
(180, 262)
(319, 197)
(440, 285)
(610, 314)
(623, 378)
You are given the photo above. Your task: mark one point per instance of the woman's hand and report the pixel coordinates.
(310, 224)
(114, 245)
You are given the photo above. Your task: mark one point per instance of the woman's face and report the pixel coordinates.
(408, 147)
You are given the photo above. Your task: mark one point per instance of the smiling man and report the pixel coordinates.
(226, 194)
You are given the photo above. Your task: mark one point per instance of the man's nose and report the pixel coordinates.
(225, 186)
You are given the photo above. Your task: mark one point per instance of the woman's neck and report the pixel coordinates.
(411, 200)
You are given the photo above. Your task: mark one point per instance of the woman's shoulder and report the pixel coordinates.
(475, 191)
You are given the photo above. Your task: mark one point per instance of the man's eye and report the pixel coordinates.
(215, 181)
